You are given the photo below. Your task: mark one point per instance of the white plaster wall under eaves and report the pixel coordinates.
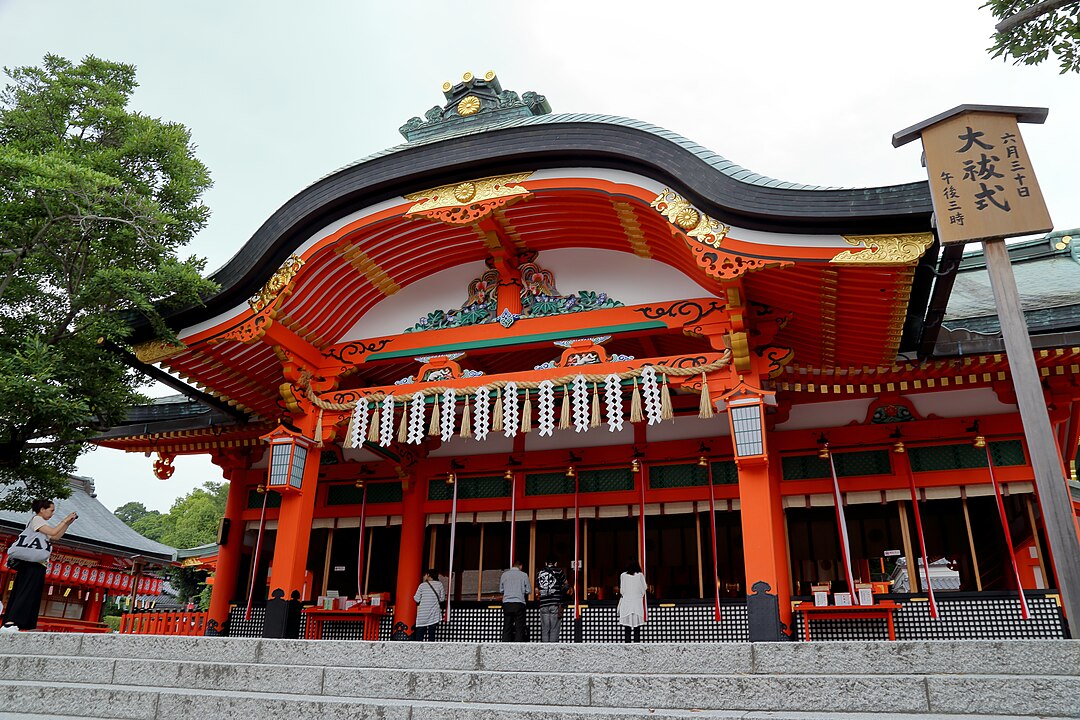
(622, 276)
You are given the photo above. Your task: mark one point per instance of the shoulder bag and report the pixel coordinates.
(31, 546)
(440, 601)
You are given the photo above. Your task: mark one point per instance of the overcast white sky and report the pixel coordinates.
(278, 94)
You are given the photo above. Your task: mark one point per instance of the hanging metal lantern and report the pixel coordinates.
(288, 455)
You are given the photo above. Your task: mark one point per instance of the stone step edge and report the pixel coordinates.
(529, 673)
(544, 711)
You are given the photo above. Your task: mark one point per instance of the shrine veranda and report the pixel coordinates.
(521, 335)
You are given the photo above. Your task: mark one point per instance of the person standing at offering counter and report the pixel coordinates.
(430, 596)
(632, 601)
(515, 588)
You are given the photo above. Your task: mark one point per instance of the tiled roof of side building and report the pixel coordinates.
(97, 527)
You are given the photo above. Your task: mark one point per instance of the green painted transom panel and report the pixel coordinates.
(382, 492)
(589, 481)
(491, 486)
(955, 457)
(692, 475)
(606, 480)
(255, 499)
(548, 484)
(848, 464)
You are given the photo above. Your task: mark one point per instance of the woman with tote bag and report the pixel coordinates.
(31, 551)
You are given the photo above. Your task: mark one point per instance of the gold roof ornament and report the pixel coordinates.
(466, 202)
(884, 249)
(686, 217)
(278, 284)
(153, 351)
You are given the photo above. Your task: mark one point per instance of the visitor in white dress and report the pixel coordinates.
(632, 601)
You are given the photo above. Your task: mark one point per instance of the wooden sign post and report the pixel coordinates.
(984, 189)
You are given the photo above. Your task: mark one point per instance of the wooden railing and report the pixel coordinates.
(50, 624)
(164, 623)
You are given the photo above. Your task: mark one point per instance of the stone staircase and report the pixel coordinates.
(157, 678)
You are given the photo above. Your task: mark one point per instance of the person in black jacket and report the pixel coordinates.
(551, 587)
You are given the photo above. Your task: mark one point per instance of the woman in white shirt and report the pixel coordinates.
(25, 600)
(632, 600)
(429, 598)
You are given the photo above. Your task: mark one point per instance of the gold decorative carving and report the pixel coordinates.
(465, 192)
(278, 285)
(466, 202)
(469, 105)
(885, 249)
(685, 216)
(153, 351)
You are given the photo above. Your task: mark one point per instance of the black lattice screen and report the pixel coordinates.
(975, 618)
(986, 618)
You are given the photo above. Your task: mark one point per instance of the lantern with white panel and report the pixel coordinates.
(289, 451)
(745, 405)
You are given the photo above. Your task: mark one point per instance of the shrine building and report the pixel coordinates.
(521, 334)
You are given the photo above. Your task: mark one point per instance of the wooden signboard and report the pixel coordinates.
(981, 179)
(984, 189)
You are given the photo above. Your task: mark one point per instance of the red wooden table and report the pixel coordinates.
(369, 615)
(882, 610)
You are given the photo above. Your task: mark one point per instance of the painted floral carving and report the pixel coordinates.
(539, 298)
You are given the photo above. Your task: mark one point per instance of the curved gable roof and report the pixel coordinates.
(719, 187)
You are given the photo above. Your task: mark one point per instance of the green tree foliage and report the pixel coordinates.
(1032, 29)
(95, 202)
(192, 521)
(132, 511)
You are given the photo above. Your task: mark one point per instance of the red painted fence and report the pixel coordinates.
(164, 623)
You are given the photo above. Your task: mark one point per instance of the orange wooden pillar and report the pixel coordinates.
(230, 551)
(289, 563)
(410, 554)
(764, 537)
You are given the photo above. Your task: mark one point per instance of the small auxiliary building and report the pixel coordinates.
(98, 559)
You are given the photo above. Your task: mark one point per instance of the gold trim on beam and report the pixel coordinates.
(153, 351)
(508, 227)
(280, 285)
(368, 268)
(634, 234)
(885, 249)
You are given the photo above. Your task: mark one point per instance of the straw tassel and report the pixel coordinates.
(526, 413)
(666, 411)
(594, 421)
(705, 410)
(466, 420)
(318, 430)
(436, 420)
(403, 428)
(497, 412)
(373, 427)
(564, 416)
(635, 405)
